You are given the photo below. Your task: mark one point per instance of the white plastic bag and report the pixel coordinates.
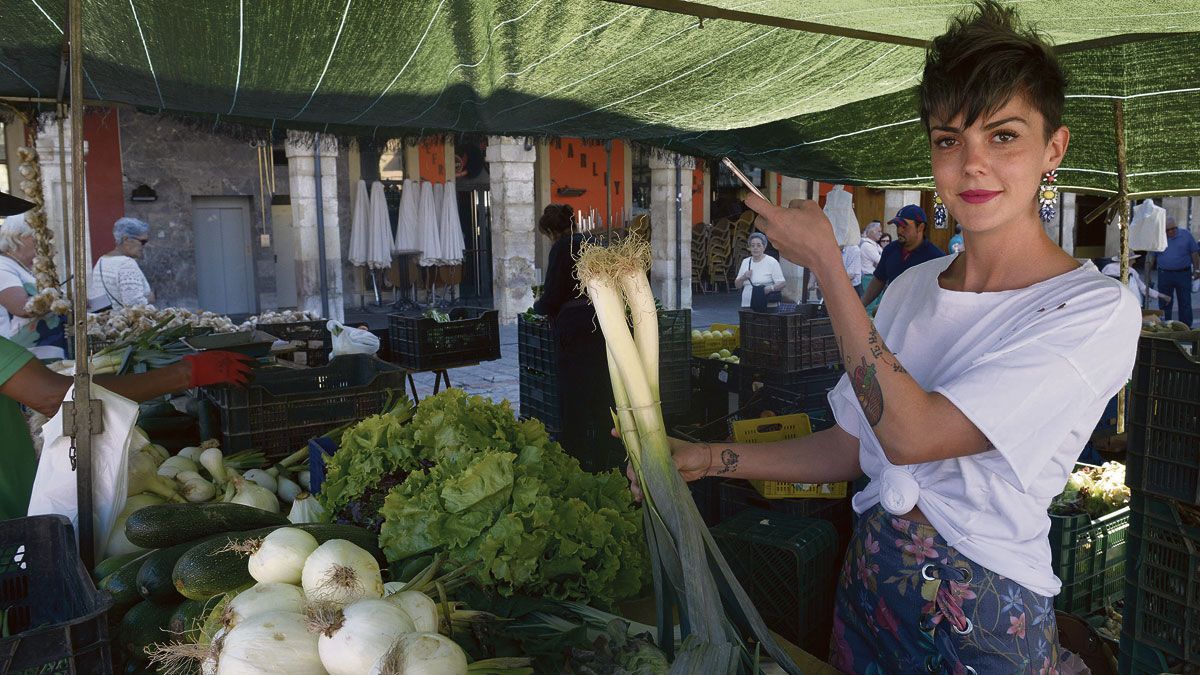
(348, 340)
(54, 488)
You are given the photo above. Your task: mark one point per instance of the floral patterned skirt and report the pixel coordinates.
(909, 603)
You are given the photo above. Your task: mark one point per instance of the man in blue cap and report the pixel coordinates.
(910, 249)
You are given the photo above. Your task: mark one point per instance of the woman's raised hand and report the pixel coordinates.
(802, 233)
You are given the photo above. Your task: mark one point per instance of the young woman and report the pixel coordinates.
(969, 397)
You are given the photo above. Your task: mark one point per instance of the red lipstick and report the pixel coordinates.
(977, 196)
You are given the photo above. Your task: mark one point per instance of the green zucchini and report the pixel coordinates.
(143, 625)
(154, 576)
(211, 568)
(122, 585)
(414, 566)
(116, 562)
(188, 620)
(164, 525)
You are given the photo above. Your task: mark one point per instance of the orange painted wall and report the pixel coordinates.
(433, 160)
(580, 163)
(698, 192)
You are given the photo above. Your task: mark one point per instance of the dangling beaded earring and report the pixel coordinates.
(939, 211)
(1048, 196)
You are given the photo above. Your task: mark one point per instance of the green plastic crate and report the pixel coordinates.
(788, 566)
(1138, 659)
(1088, 555)
(1165, 580)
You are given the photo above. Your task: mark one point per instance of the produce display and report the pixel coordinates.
(118, 324)
(460, 476)
(705, 342)
(284, 316)
(1094, 490)
(1153, 324)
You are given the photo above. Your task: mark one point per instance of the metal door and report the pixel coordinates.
(224, 262)
(284, 235)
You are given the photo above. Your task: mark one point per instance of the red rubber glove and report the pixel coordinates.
(217, 367)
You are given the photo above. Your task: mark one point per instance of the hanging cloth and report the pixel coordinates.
(407, 225)
(839, 208)
(358, 225)
(1148, 227)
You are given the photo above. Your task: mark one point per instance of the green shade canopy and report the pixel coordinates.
(822, 103)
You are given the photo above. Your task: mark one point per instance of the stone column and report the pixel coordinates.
(792, 188)
(510, 163)
(302, 184)
(50, 158)
(671, 269)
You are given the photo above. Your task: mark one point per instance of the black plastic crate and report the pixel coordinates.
(312, 338)
(541, 399)
(536, 347)
(1088, 556)
(1164, 417)
(675, 389)
(1138, 659)
(788, 567)
(57, 618)
(764, 402)
(285, 407)
(808, 389)
(472, 335)
(738, 495)
(787, 343)
(674, 336)
(706, 493)
(1163, 597)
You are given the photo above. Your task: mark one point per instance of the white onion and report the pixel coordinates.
(306, 509)
(281, 556)
(262, 478)
(340, 572)
(277, 642)
(263, 598)
(253, 494)
(422, 654)
(287, 489)
(419, 607)
(358, 636)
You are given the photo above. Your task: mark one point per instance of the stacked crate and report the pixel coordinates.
(1162, 597)
(699, 264)
(720, 253)
(794, 352)
(739, 241)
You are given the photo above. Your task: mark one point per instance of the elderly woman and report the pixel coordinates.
(44, 336)
(759, 270)
(117, 273)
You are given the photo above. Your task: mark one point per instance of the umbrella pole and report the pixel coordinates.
(1124, 205)
(83, 416)
(375, 285)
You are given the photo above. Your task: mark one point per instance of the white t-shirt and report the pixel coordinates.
(1136, 285)
(765, 272)
(121, 280)
(852, 261)
(1033, 369)
(871, 253)
(12, 275)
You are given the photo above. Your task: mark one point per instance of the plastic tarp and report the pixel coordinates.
(821, 103)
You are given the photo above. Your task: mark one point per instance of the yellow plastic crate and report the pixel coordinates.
(782, 428)
(736, 329)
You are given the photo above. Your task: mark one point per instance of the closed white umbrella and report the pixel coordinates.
(427, 227)
(407, 228)
(451, 226)
(359, 225)
(379, 243)
(438, 190)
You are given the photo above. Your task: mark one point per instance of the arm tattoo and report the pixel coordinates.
(729, 461)
(881, 352)
(870, 395)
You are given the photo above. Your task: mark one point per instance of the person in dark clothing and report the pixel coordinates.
(584, 390)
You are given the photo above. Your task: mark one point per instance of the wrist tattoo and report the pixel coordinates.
(729, 461)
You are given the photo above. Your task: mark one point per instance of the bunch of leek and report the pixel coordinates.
(615, 279)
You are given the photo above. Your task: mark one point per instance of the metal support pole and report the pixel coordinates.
(678, 233)
(812, 191)
(608, 147)
(85, 416)
(321, 262)
(1124, 206)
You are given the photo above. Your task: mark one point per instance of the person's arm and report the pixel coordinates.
(777, 277)
(828, 456)
(873, 290)
(13, 299)
(131, 284)
(1195, 264)
(913, 426)
(42, 389)
(743, 275)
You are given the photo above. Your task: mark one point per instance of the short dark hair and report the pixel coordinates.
(555, 220)
(985, 59)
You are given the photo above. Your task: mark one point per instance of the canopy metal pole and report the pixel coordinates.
(1124, 205)
(83, 417)
(678, 232)
(62, 171)
(321, 263)
(608, 147)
